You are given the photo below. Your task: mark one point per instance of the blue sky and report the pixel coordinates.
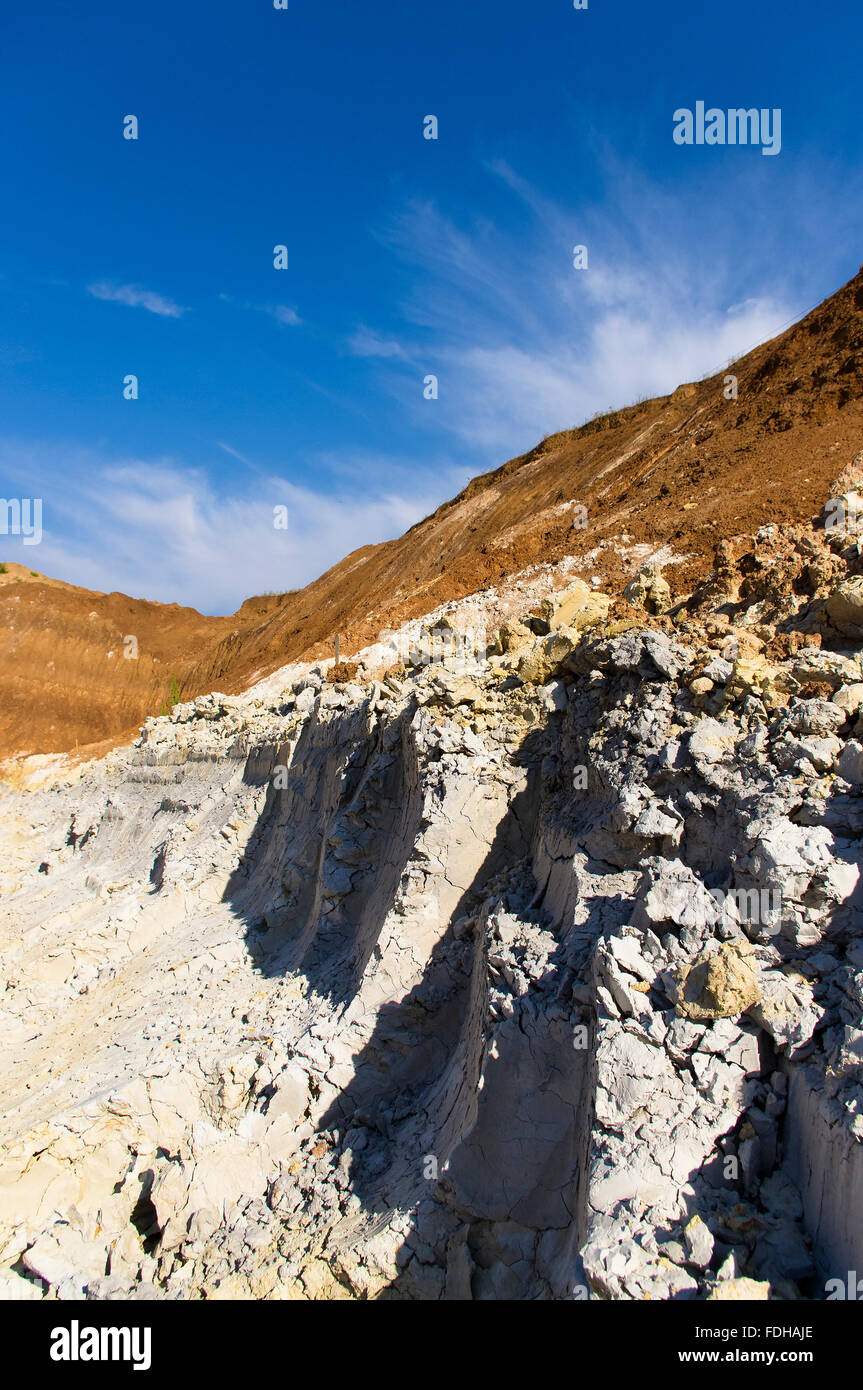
(407, 257)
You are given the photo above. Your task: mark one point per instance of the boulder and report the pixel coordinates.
(458, 690)
(786, 1009)
(743, 1290)
(670, 894)
(63, 1251)
(851, 763)
(820, 752)
(576, 606)
(849, 698)
(701, 686)
(815, 717)
(845, 606)
(699, 1242)
(537, 667)
(515, 635)
(710, 741)
(754, 675)
(649, 589)
(719, 984)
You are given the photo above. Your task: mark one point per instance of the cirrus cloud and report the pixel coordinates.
(136, 297)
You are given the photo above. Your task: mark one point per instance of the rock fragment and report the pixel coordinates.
(649, 589)
(719, 984)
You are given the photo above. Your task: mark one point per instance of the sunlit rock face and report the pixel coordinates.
(534, 971)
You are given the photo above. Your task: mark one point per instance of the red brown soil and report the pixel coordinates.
(65, 684)
(686, 470)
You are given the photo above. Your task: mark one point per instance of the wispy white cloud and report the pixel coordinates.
(137, 298)
(235, 453)
(282, 313)
(156, 529)
(679, 280)
(365, 342)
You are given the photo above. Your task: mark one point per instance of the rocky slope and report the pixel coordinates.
(758, 442)
(514, 964)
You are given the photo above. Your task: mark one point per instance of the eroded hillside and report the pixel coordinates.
(676, 474)
(527, 971)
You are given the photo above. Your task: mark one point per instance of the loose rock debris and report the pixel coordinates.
(458, 983)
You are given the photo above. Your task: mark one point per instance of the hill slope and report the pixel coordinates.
(684, 470)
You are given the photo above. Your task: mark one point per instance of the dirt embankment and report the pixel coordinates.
(713, 459)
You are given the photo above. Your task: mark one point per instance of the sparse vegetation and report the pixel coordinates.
(173, 699)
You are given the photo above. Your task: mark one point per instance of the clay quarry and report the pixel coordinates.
(516, 956)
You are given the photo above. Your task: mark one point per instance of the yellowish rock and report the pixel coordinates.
(753, 675)
(544, 661)
(649, 589)
(515, 635)
(576, 606)
(721, 984)
(740, 1290)
(321, 1285)
(845, 606)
